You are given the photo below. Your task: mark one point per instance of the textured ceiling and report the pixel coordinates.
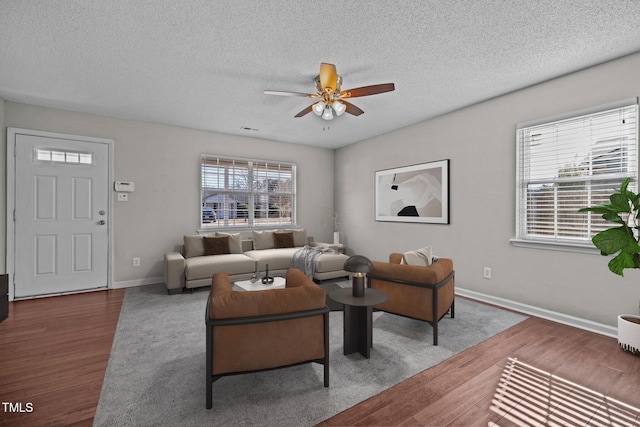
(204, 64)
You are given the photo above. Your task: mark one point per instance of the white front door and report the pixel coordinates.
(62, 214)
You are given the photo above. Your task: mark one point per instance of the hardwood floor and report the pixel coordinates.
(463, 390)
(54, 352)
(53, 355)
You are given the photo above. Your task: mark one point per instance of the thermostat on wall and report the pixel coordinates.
(125, 186)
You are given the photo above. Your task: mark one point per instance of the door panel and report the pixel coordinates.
(45, 197)
(81, 198)
(45, 255)
(82, 247)
(62, 219)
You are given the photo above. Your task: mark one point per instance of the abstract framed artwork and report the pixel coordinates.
(417, 193)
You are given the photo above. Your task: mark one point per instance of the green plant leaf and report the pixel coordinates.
(620, 202)
(632, 244)
(613, 217)
(624, 185)
(635, 200)
(620, 262)
(611, 240)
(598, 209)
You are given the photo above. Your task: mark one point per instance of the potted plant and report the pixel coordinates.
(621, 239)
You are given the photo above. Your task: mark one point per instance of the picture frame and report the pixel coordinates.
(417, 193)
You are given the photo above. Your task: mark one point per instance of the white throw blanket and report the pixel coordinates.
(304, 259)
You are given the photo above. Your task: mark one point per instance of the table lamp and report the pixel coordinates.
(359, 266)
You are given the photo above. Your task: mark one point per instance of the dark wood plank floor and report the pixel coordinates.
(53, 356)
(54, 352)
(462, 391)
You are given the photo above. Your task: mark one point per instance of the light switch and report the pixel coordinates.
(123, 197)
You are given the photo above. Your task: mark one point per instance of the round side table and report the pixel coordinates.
(358, 318)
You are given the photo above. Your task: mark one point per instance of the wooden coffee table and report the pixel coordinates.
(358, 318)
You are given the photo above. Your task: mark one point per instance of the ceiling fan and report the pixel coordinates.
(331, 98)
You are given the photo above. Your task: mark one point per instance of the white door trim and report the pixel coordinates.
(11, 196)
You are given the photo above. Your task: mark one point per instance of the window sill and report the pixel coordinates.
(245, 229)
(555, 246)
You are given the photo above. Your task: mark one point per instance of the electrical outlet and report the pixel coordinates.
(487, 273)
(136, 262)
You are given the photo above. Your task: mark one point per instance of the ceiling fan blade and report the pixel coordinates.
(352, 109)
(328, 77)
(367, 90)
(285, 93)
(305, 111)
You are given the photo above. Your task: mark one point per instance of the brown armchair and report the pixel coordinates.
(259, 330)
(423, 293)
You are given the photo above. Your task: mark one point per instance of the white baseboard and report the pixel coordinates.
(577, 322)
(137, 282)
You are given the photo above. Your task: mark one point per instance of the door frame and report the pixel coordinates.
(12, 133)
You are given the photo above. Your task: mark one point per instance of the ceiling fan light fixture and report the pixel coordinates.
(328, 113)
(318, 108)
(329, 94)
(339, 108)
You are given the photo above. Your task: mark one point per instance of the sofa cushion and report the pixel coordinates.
(193, 245)
(278, 259)
(299, 236)
(330, 262)
(216, 245)
(203, 267)
(421, 257)
(283, 239)
(235, 242)
(262, 239)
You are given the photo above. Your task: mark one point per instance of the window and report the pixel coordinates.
(246, 193)
(59, 156)
(570, 163)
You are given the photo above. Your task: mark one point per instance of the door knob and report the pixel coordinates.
(101, 212)
(102, 222)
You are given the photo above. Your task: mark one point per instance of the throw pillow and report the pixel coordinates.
(193, 245)
(218, 245)
(420, 257)
(235, 242)
(283, 239)
(299, 237)
(262, 239)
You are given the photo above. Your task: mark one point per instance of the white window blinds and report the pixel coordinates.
(570, 163)
(246, 193)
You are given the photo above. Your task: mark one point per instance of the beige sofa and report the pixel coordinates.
(201, 256)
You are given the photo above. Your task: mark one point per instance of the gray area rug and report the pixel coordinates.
(156, 372)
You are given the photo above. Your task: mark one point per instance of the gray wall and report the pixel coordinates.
(480, 142)
(164, 162)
